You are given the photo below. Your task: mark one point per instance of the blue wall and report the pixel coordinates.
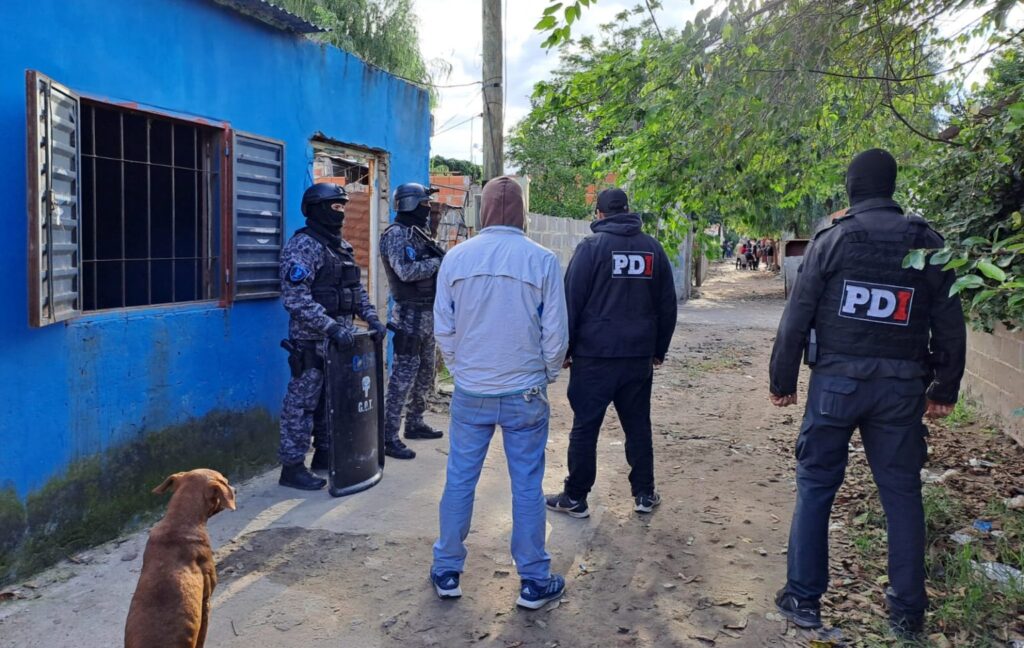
(73, 389)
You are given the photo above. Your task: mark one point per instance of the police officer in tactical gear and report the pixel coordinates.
(890, 344)
(321, 292)
(411, 264)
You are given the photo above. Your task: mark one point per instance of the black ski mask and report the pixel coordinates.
(418, 217)
(326, 221)
(872, 174)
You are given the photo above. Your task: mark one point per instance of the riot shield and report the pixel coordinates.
(354, 388)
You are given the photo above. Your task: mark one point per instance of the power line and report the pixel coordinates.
(454, 126)
(459, 113)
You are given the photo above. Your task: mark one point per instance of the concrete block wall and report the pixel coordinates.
(560, 235)
(995, 375)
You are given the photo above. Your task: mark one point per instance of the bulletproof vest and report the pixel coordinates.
(872, 306)
(410, 292)
(336, 285)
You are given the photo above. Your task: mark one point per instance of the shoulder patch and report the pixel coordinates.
(410, 252)
(298, 273)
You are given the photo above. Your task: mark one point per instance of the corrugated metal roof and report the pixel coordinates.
(273, 15)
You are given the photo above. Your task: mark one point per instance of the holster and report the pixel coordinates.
(811, 349)
(302, 356)
(406, 343)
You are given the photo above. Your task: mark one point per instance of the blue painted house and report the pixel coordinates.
(152, 158)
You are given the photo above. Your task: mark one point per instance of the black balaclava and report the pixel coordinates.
(326, 221)
(418, 217)
(872, 174)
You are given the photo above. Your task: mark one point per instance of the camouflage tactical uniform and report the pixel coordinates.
(309, 328)
(412, 371)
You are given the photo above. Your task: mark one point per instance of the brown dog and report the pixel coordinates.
(171, 605)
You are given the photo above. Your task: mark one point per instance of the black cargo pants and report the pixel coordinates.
(594, 383)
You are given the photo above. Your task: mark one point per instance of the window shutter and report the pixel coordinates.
(53, 201)
(259, 215)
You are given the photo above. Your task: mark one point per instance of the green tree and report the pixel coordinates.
(753, 109)
(974, 194)
(439, 164)
(384, 33)
(557, 152)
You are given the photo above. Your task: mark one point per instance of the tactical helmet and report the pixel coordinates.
(411, 194)
(322, 192)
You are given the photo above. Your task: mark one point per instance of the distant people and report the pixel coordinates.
(884, 332)
(769, 254)
(321, 291)
(500, 322)
(622, 314)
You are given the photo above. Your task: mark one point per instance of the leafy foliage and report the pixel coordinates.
(384, 33)
(557, 152)
(440, 164)
(751, 111)
(974, 194)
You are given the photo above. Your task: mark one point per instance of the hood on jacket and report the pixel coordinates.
(621, 224)
(502, 204)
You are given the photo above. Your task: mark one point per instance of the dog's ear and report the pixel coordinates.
(169, 484)
(220, 496)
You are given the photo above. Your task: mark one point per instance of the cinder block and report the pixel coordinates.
(1009, 379)
(982, 342)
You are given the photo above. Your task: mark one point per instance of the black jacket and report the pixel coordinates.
(620, 294)
(821, 264)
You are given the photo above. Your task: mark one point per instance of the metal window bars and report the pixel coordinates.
(171, 259)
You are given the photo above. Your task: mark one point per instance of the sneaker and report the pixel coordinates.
(321, 460)
(446, 584)
(645, 502)
(297, 476)
(533, 596)
(421, 431)
(565, 504)
(802, 613)
(397, 450)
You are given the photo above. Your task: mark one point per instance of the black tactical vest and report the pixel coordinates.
(872, 306)
(409, 292)
(336, 285)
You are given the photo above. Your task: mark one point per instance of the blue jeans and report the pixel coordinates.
(523, 418)
(888, 412)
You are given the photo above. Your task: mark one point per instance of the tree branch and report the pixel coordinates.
(914, 130)
(653, 19)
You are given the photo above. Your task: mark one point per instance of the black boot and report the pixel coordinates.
(297, 476)
(421, 431)
(321, 460)
(397, 450)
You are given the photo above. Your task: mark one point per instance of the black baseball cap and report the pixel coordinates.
(612, 201)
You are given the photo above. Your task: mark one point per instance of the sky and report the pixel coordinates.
(451, 30)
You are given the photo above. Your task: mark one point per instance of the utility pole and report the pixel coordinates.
(494, 85)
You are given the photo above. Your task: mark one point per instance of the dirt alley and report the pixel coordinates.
(701, 571)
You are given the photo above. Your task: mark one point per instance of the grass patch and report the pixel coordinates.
(964, 413)
(973, 604)
(943, 513)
